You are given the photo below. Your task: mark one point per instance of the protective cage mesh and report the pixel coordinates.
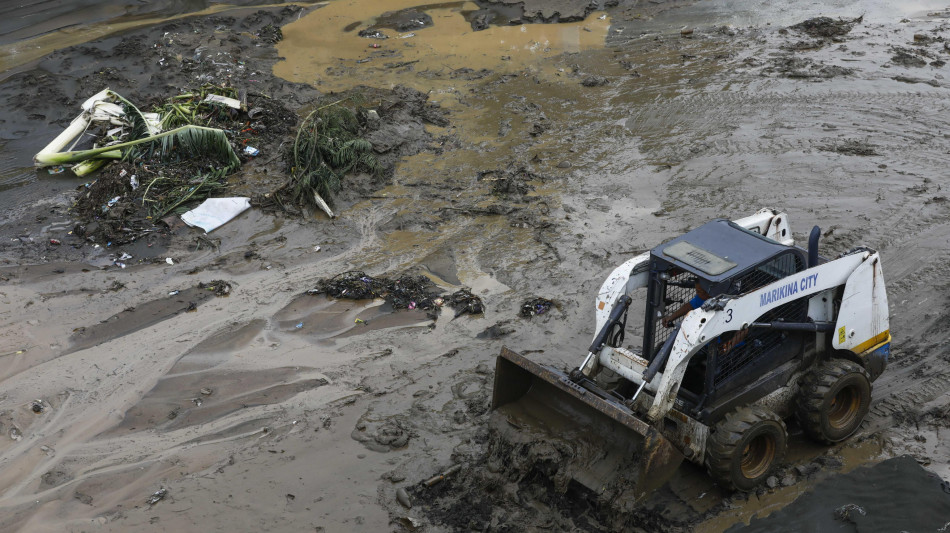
(759, 341)
(674, 297)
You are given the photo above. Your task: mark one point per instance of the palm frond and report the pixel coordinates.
(326, 148)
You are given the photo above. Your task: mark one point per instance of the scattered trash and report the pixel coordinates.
(134, 182)
(316, 248)
(219, 287)
(374, 45)
(403, 498)
(410, 523)
(173, 293)
(114, 201)
(197, 401)
(119, 264)
(439, 302)
(37, 406)
(441, 477)
(251, 151)
(215, 212)
(408, 35)
(55, 241)
(848, 512)
(169, 260)
(299, 325)
(536, 306)
(157, 496)
(56, 170)
(359, 321)
(15, 433)
(373, 34)
(233, 103)
(206, 391)
(412, 305)
(463, 301)
(125, 256)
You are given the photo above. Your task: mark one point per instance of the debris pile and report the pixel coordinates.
(535, 306)
(463, 301)
(163, 161)
(406, 292)
(218, 287)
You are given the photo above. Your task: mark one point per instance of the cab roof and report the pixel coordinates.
(718, 250)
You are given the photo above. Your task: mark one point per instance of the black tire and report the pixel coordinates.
(834, 400)
(744, 448)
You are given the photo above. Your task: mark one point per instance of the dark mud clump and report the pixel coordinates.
(383, 436)
(804, 68)
(850, 147)
(906, 57)
(827, 27)
(514, 485)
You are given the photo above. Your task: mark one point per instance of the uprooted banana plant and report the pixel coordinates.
(328, 147)
(208, 149)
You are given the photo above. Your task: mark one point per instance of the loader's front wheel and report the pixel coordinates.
(834, 400)
(744, 447)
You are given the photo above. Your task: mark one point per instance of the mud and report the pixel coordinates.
(512, 179)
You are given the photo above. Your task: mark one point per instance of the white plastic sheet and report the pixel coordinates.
(215, 212)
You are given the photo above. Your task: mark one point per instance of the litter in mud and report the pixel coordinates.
(215, 212)
(218, 287)
(535, 306)
(403, 498)
(157, 496)
(441, 477)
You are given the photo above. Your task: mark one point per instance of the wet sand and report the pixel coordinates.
(251, 423)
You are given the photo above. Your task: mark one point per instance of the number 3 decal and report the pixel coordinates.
(728, 316)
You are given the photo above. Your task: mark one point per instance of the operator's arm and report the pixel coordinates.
(685, 308)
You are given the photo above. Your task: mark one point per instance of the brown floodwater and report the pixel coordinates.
(325, 49)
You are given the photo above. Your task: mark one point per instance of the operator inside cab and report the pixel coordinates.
(731, 341)
(695, 303)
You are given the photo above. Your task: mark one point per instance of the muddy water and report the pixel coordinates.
(325, 48)
(32, 30)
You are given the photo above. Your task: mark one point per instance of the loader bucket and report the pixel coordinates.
(610, 451)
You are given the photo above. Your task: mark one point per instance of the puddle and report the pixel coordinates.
(324, 48)
(800, 452)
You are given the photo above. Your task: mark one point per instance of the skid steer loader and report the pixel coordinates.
(768, 331)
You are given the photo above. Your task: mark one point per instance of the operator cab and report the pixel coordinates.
(723, 258)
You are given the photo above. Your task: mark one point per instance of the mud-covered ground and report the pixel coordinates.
(529, 158)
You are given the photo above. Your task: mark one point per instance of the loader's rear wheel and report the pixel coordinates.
(834, 400)
(744, 447)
